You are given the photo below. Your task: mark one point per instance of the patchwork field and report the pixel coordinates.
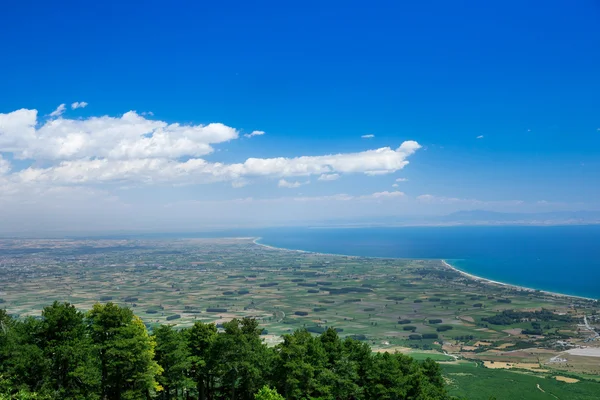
(475, 383)
(416, 306)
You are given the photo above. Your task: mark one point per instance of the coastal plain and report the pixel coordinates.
(546, 342)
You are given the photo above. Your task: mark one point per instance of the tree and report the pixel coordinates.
(6, 323)
(55, 357)
(173, 356)
(200, 339)
(332, 345)
(26, 367)
(241, 359)
(126, 353)
(73, 371)
(300, 360)
(267, 393)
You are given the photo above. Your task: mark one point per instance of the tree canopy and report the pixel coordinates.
(108, 353)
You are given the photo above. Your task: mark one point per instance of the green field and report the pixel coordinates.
(477, 383)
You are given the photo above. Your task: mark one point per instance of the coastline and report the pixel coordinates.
(444, 263)
(509, 285)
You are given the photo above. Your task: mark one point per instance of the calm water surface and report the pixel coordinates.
(564, 259)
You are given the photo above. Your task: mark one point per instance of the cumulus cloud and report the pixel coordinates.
(196, 170)
(78, 104)
(132, 150)
(254, 133)
(329, 177)
(59, 111)
(130, 136)
(290, 185)
(4, 166)
(386, 194)
(369, 136)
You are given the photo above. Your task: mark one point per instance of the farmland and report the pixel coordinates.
(416, 306)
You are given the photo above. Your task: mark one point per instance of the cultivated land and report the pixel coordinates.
(512, 339)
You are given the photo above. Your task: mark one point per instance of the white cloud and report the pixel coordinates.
(196, 170)
(369, 136)
(290, 185)
(254, 133)
(239, 184)
(78, 104)
(130, 136)
(129, 151)
(59, 111)
(480, 137)
(387, 194)
(395, 185)
(133, 149)
(329, 177)
(431, 199)
(4, 166)
(379, 172)
(334, 197)
(401, 179)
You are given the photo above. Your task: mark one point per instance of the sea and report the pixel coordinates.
(561, 259)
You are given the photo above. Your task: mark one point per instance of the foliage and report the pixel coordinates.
(126, 353)
(108, 354)
(267, 393)
(508, 317)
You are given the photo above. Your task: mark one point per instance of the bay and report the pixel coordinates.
(562, 259)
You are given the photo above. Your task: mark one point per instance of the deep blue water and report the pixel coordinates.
(564, 259)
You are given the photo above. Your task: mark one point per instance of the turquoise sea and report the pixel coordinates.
(563, 259)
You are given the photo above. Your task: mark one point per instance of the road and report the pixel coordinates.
(589, 328)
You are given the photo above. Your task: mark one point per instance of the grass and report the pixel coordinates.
(478, 383)
(433, 356)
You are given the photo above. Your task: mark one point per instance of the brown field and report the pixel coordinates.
(565, 379)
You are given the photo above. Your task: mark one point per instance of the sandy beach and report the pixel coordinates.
(489, 281)
(446, 264)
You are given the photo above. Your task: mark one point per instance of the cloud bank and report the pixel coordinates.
(134, 149)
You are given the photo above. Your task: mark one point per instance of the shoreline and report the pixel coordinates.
(444, 263)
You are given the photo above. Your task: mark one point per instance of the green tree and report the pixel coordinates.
(73, 371)
(6, 323)
(126, 353)
(200, 339)
(267, 393)
(26, 366)
(339, 379)
(300, 360)
(241, 359)
(173, 356)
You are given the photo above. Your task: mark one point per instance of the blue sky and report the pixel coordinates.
(503, 100)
